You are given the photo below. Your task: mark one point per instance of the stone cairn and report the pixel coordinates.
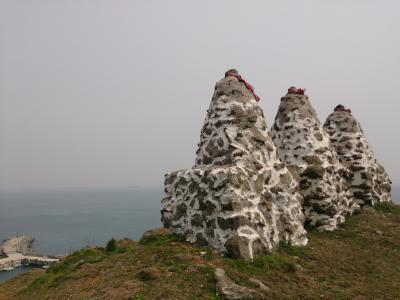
(370, 184)
(305, 148)
(239, 197)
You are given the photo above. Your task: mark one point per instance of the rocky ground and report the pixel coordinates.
(360, 260)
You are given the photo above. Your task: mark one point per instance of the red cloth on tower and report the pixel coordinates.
(294, 90)
(248, 85)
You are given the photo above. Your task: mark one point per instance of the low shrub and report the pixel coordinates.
(111, 245)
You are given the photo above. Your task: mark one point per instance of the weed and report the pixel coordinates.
(145, 276)
(263, 264)
(291, 250)
(160, 240)
(388, 207)
(111, 245)
(37, 282)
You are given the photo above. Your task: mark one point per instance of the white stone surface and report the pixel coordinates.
(239, 197)
(305, 148)
(370, 184)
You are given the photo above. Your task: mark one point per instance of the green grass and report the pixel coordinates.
(145, 276)
(160, 240)
(388, 207)
(262, 264)
(138, 297)
(59, 272)
(292, 250)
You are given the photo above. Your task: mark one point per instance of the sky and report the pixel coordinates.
(114, 93)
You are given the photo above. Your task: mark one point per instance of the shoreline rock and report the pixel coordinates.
(18, 244)
(17, 252)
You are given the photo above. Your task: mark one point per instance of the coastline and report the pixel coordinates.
(17, 251)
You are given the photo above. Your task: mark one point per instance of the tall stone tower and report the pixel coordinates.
(370, 184)
(238, 197)
(305, 148)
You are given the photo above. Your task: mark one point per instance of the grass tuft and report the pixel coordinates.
(292, 250)
(111, 245)
(388, 207)
(263, 264)
(160, 240)
(145, 276)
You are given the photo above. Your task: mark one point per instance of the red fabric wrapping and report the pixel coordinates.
(248, 85)
(294, 90)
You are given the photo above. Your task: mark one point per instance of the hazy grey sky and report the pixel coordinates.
(114, 93)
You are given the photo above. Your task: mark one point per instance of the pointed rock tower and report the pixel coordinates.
(370, 184)
(238, 198)
(305, 148)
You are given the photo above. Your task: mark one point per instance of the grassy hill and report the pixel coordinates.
(360, 260)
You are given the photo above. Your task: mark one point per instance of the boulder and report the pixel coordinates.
(238, 197)
(261, 285)
(156, 232)
(227, 289)
(370, 184)
(305, 148)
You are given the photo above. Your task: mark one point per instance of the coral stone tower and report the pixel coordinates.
(305, 148)
(238, 197)
(370, 184)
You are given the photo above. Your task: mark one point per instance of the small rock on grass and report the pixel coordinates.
(156, 231)
(227, 289)
(260, 284)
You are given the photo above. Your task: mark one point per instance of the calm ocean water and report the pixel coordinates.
(65, 220)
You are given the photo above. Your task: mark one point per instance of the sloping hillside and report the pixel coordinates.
(360, 260)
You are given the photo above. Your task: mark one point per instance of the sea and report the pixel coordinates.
(62, 221)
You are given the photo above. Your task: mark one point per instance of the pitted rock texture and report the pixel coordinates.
(239, 197)
(370, 184)
(305, 148)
